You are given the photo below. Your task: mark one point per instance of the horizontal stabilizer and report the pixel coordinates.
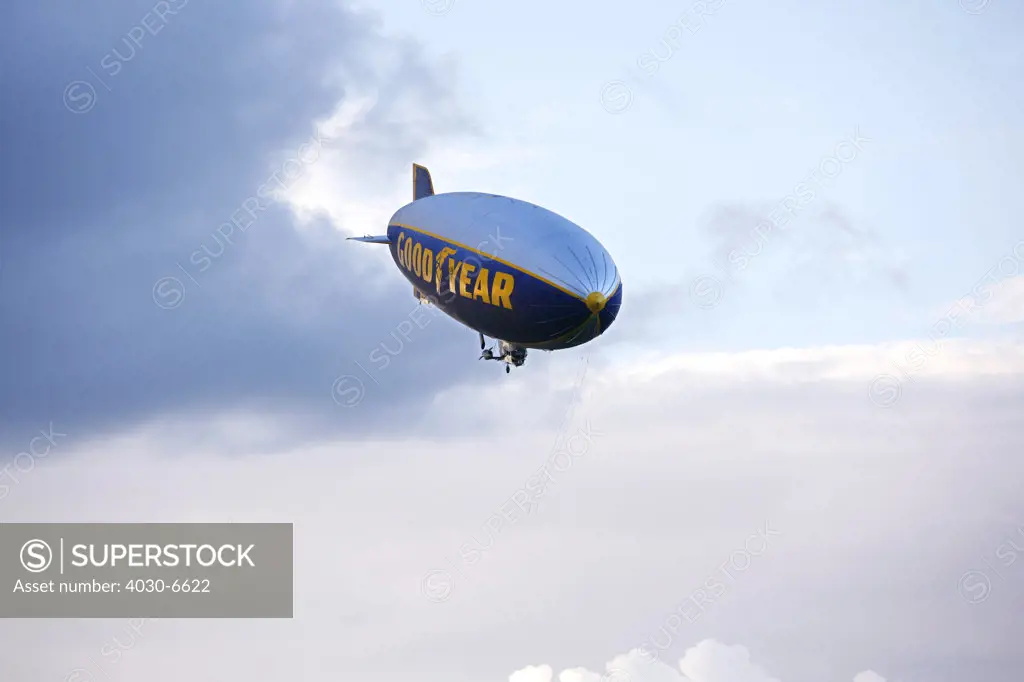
(382, 239)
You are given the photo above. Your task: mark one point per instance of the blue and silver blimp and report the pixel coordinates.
(507, 269)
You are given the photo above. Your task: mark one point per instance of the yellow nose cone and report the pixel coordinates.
(596, 301)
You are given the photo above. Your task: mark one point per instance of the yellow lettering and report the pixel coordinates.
(480, 290)
(445, 252)
(398, 249)
(453, 269)
(501, 289)
(428, 265)
(408, 254)
(417, 252)
(467, 270)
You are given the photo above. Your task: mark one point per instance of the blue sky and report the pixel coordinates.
(199, 369)
(741, 111)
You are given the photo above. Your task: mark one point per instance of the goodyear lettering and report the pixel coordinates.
(398, 250)
(441, 257)
(453, 269)
(501, 290)
(467, 270)
(469, 280)
(417, 252)
(428, 265)
(480, 290)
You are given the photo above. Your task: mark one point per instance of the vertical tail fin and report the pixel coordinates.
(422, 185)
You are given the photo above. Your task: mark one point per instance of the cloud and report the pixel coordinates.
(833, 248)
(818, 247)
(712, 661)
(618, 538)
(767, 258)
(868, 676)
(938, 358)
(360, 198)
(148, 270)
(708, 661)
(532, 673)
(573, 513)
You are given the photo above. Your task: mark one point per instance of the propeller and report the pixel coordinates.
(482, 344)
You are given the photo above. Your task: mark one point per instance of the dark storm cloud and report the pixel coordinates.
(101, 204)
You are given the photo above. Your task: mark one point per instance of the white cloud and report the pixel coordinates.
(354, 198)
(936, 358)
(868, 676)
(708, 661)
(712, 661)
(533, 673)
(613, 552)
(359, 198)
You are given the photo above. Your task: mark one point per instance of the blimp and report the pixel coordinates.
(513, 272)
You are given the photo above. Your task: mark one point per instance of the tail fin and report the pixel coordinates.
(422, 185)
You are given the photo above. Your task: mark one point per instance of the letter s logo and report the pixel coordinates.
(79, 97)
(974, 586)
(36, 556)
